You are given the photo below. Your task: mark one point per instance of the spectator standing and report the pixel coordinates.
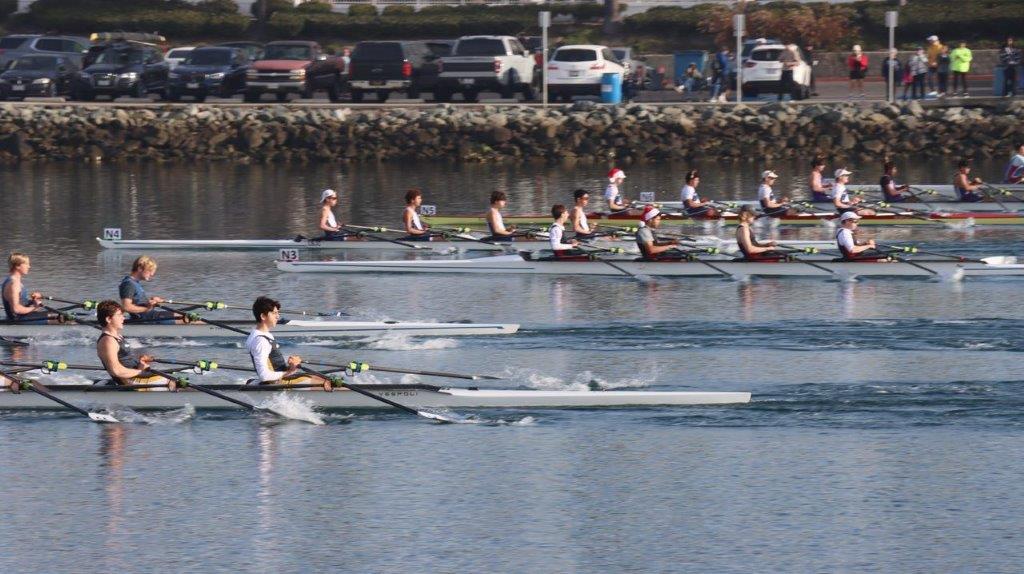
(934, 49)
(809, 54)
(790, 59)
(857, 63)
(719, 63)
(1009, 59)
(943, 71)
(346, 57)
(960, 64)
(897, 71)
(918, 65)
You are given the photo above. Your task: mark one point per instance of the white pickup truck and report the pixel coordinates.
(487, 64)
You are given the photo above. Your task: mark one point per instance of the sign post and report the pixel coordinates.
(890, 22)
(544, 19)
(738, 22)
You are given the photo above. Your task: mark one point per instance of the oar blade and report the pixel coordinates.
(102, 418)
(436, 417)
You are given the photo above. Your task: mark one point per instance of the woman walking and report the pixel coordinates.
(857, 63)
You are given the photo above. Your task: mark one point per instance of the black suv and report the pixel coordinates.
(123, 69)
(385, 67)
(47, 76)
(208, 71)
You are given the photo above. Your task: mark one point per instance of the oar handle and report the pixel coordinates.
(339, 381)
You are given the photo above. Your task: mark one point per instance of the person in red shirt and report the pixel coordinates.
(857, 63)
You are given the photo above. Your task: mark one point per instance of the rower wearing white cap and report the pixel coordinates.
(612, 196)
(693, 205)
(846, 239)
(649, 244)
(328, 223)
(769, 205)
(841, 198)
(415, 230)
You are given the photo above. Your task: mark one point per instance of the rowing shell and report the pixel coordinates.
(294, 328)
(417, 396)
(626, 243)
(945, 189)
(938, 207)
(703, 267)
(731, 218)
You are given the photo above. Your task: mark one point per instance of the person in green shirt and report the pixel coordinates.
(960, 64)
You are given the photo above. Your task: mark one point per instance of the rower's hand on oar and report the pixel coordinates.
(154, 301)
(145, 361)
(294, 362)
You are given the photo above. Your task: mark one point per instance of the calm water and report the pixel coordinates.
(885, 432)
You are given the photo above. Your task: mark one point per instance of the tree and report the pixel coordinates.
(823, 25)
(611, 16)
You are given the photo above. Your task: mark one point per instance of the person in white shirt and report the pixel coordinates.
(415, 230)
(328, 223)
(1015, 170)
(693, 205)
(770, 206)
(841, 198)
(612, 196)
(580, 226)
(846, 240)
(556, 232)
(270, 365)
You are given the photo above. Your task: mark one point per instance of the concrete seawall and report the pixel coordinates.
(583, 132)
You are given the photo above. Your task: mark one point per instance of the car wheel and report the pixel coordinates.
(281, 96)
(172, 96)
(382, 96)
(357, 96)
(471, 96)
(251, 97)
(140, 90)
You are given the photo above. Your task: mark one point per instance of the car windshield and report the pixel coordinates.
(766, 55)
(34, 63)
(575, 55)
(286, 52)
(480, 47)
(120, 57)
(378, 51)
(209, 58)
(10, 43)
(180, 53)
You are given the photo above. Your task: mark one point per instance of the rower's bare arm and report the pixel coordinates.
(11, 293)
(108, 356)
(324, 226)
(130, 306)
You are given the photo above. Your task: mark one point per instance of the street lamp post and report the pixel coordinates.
(738, 21)
(890, 22)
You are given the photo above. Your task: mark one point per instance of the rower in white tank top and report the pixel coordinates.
(414, 228)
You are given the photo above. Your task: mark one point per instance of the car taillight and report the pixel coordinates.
(406, 68)
(552, 67)
(497, 66)
(749, 64)
(598, 66)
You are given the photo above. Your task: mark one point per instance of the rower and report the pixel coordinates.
(1015, 169)
(271, 366)
(646, 238)
(580, 226)
(967, 189)
(415, 229)
(557, 230)
(495, 222)
(820, 191)
(841, 198)
(846, 240)
(20, 306)
(769, 205)
(328, 224)
(752, 249)
(693, 205)
(611, 193)
(890, 191)
(141, 307)
(122, 366)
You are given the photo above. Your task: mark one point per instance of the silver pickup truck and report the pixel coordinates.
(487, 64)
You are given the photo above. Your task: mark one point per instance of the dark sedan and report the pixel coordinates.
(46, 76)
(209, 71)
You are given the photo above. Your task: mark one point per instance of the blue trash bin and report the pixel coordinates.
(611, 88)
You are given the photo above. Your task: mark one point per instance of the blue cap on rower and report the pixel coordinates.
(848, 216)
(328, 193)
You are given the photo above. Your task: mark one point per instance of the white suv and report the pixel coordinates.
(576, 70)
(762, 72)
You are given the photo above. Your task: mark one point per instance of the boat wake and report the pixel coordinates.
(583, 381)
(474, 419)
(395, 342)
(293, 407)
(171, 417)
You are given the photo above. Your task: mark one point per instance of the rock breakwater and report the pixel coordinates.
(584, 132)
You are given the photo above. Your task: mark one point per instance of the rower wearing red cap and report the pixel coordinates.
(612, 195)
(648, 242)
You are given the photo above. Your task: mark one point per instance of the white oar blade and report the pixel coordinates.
(102, 418)
(436, 417)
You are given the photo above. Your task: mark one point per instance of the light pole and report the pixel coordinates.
(890, 22)
(544, 19)
(738, 21)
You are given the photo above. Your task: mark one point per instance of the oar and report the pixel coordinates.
(906, 249)
(987, 191)
(338, 381)
(195, 317)
(87, 304)
(359, 367)
(13, 342)
(382, 238)
(184, 382)
(886, 207)
(215, 305)
(41, 390)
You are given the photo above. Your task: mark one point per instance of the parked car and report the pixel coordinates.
(209, 71)
(487, 63)
(47, 76)
(123, 69)
(72, 48)
(386, 67)
(253, 50)
(630, 60)
(576, 70)
(102, 40)
(762, 73)
(175, 56)
(293, 67)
